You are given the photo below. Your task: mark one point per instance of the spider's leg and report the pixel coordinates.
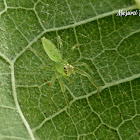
(83, 64)
(71, 50)
(42, 67)
(53, 80)
(38, 53)
(67, 78)
(62, 85)
(75, 46)
(83, 137)
(60, 44)
(79, 71)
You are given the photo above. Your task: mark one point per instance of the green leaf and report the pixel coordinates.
(109, 45)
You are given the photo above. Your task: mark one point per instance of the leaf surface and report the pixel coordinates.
(108, 44)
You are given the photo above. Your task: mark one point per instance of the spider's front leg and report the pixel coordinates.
(81, 72)
(83, 64)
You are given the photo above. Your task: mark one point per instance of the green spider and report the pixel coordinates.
(62, 68)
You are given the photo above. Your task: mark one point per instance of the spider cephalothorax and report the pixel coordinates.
(68, 69)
